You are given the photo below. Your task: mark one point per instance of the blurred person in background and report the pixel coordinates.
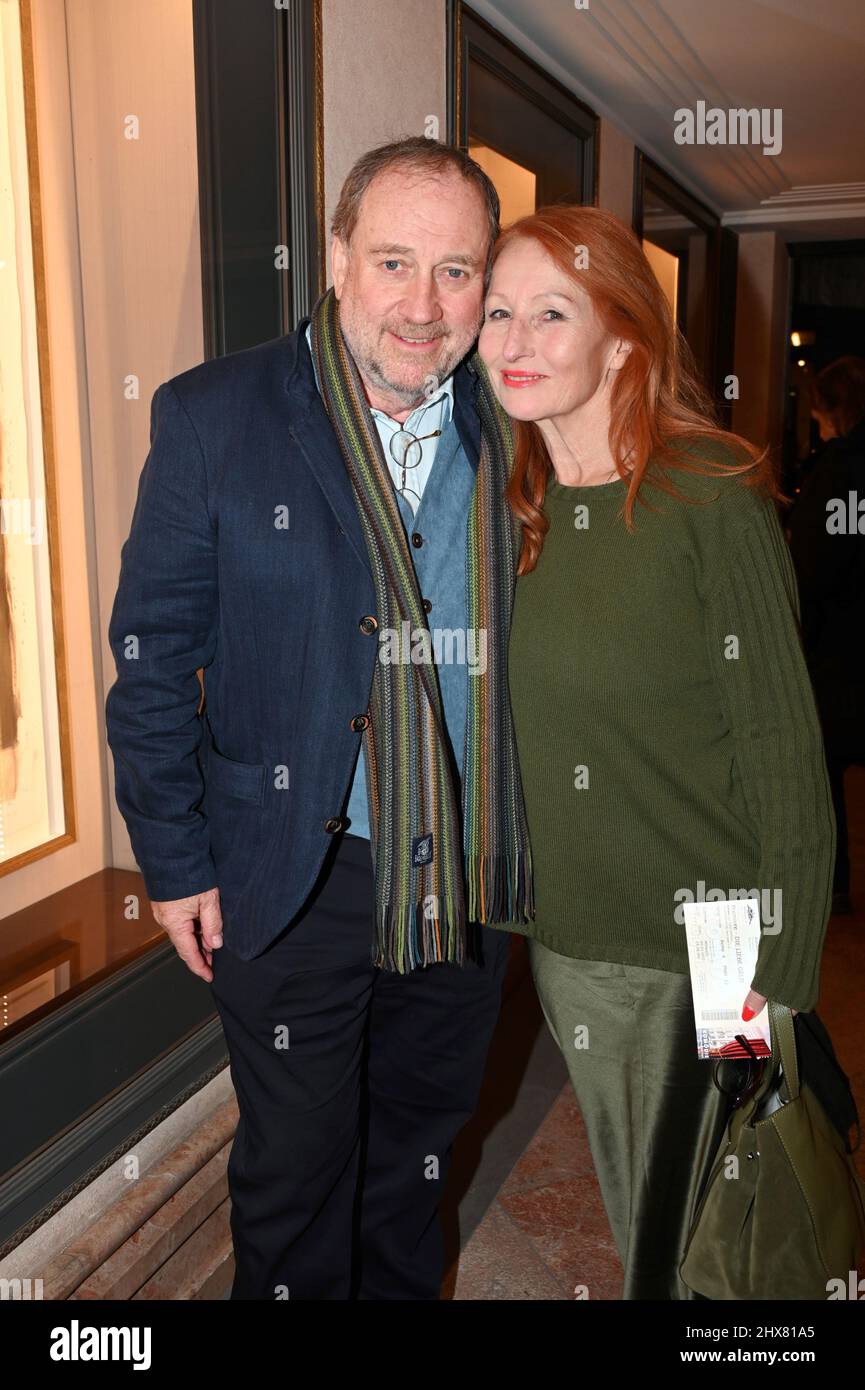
(826, 530)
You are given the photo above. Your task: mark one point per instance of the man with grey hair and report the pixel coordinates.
(329, 841)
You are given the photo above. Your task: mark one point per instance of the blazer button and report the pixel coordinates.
(416, 539)
(368, 624)
(360, 722)
(427, 606)
(335, 823)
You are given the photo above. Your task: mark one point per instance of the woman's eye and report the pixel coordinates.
(502, 314)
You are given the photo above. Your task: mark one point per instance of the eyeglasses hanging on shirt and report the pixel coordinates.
(406, 452)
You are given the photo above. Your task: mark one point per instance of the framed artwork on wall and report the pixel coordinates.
(36, 810)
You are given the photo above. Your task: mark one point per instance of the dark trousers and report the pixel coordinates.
(352, 1083)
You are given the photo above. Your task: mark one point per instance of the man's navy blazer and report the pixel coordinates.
(245, 557)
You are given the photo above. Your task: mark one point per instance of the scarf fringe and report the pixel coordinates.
(499, 890)
(407, 937)
(499, 887)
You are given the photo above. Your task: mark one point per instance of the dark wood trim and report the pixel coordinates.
(301, 178)
(599, 135)
(471, 36)
(319, 146)
(278, 106)
(637, 193)
(97, 1073)
(209, 183)
(454, 72)
(648, 173)
(646, 170)
(726, 320)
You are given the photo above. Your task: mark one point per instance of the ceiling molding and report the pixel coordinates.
(493, 15)
(798, 213)
(638, 62)
(834, 202)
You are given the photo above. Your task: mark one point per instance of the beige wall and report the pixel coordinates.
(761, 342)
(615, 171)
(140, 255)
(124, 299)
(384, 77)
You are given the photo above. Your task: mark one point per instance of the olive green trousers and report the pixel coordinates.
(652, 1112)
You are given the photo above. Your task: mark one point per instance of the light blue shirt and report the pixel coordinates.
(433, 414)
(445, 484)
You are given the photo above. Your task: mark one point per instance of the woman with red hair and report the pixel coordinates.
(668, 737)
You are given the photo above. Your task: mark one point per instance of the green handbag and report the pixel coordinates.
(783, 1210)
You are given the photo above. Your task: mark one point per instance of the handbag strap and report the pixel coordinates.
(783, 1042)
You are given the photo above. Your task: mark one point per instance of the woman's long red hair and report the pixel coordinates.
(656, 400)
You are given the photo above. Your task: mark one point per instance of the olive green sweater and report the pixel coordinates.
(667, 730)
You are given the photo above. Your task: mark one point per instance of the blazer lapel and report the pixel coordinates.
(466, 418)
(311, 430)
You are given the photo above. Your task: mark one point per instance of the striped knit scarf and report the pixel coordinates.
(440, 864)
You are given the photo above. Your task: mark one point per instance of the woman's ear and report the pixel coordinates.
(620, 355)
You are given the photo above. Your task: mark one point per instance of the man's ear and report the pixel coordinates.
(338, 264)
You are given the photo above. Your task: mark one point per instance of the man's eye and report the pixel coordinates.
(390, 264)
(454, 270)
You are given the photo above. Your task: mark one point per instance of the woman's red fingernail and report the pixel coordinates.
(747, 1013)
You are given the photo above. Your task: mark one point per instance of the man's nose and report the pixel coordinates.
(420, 303)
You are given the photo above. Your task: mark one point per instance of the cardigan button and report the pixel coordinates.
(368, 624)
(416, 539)
(427, 606)
(360, 722)
(335, 823)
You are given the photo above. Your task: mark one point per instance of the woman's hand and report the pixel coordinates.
(754, 1002)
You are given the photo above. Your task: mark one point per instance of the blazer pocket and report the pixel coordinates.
(243, 780)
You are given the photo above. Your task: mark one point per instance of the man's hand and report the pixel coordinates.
(177, 918)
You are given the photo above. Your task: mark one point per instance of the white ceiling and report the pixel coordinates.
(638, 61)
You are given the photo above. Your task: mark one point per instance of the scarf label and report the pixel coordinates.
(422, 849)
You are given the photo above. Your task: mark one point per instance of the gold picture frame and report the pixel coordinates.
(52, 719)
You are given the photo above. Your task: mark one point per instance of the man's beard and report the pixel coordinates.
(386, 378)
(407, 391)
